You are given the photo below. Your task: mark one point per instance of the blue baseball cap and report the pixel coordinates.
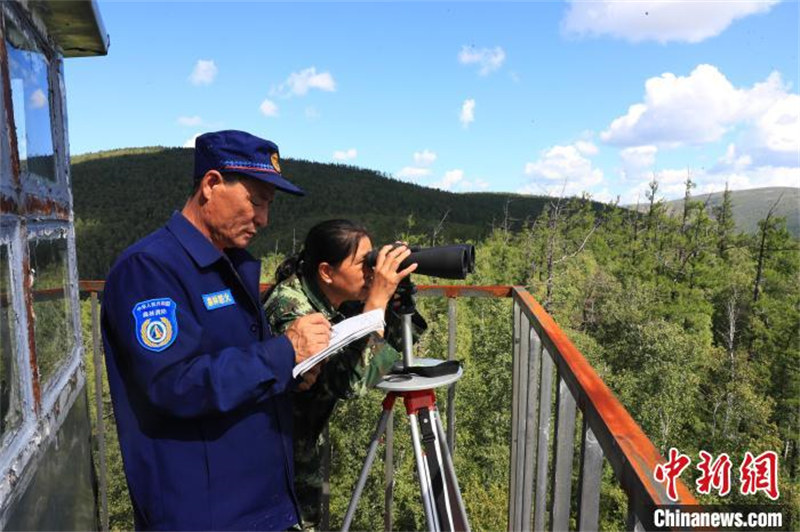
(240, 153)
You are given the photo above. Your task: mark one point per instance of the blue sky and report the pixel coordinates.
(530, 97)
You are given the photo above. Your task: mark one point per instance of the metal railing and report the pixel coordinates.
(545, 363)
(608, 432)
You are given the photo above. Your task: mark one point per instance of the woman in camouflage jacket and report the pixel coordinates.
(330, 276)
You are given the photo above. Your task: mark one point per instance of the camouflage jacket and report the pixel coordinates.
(350, 372)
(356, 368)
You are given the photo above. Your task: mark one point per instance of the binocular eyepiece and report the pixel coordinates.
(448, 262)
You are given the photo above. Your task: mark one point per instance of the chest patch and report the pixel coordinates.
(156, 323)
(217, 300)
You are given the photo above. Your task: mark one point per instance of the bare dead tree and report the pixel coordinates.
(635, 237)
(762, 248)
(438, 228)
(553, 224)
(728, 333)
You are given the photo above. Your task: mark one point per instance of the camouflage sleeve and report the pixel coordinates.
(357, 368)
(286, 304)
(363, 364)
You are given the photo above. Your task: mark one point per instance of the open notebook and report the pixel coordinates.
(342, 334)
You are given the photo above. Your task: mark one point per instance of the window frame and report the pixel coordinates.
(46, 199)
(9, 235)
(33, 209)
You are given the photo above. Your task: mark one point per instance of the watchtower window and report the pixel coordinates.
(54, 331)
(30, 94)
(10, 410)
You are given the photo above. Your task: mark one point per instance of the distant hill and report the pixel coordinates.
(121, 195)
(751, 206)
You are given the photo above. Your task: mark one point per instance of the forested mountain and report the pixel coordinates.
(122, 195)
(751, 206)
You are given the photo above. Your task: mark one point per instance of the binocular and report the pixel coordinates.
(448, 262)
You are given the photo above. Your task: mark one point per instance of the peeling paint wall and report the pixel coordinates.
(45, 451)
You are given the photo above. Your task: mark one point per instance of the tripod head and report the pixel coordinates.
(405, 292)
(430, 368)
(406, 308)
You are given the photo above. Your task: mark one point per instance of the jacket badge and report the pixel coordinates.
(156, 323)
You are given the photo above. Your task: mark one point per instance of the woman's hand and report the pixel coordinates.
(309, 378)
(385, 276)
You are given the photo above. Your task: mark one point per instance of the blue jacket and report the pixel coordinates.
(199, 386)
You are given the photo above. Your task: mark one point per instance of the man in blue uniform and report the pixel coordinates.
(198, 381)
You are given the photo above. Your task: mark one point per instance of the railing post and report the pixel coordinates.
(533, 360)
(522, 423)
(563, 455)
(542, 455)
(98, 401)
(514, 464)
(451, 390)
(589, 480)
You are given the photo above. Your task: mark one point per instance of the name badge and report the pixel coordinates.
(218, 300)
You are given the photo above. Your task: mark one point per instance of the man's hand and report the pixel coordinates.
(309, 335)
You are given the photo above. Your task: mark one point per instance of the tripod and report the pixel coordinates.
(441, 497)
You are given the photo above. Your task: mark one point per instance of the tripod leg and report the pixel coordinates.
(433, 456)
(424, 476)
(362, 479)
(388, 471)
(454, 491)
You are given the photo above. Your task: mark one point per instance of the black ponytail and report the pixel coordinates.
(289, 267)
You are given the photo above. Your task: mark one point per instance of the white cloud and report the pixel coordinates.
(467, 112)
(455, 179)
(424, 157)
(345, 155)
(702, 107)
(639, 156)
(451, 177)
(489, 59)
(762, 176)
(204, 73)
(586, 147)
(299, 83)
(775, 136)
(695, 109)
(562, 168)
(658, 20)
(192, 121)
(604, 196)
(190, 141)
(638, 161)
(268, 108)
(732, 160)
(413, 173)
(38, 99)
(671, 182)
(474, 185)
